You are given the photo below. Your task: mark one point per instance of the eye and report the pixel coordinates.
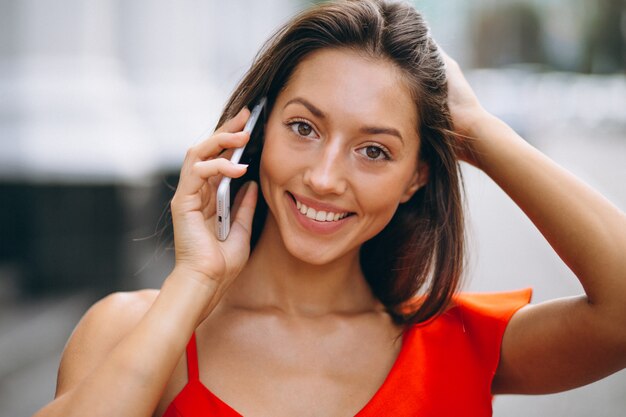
(301, 128)
(375, 153)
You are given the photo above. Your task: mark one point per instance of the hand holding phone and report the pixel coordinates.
(223, 190)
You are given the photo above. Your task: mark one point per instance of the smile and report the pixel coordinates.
(321, 215)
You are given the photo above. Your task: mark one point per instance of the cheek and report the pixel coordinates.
(382, 194)
(277, 166)
(383, 204)
(378, 195)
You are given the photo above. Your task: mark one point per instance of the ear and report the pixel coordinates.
(419, 179)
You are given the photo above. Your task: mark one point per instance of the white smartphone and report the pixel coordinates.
(223, 190)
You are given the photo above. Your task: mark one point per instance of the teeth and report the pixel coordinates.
(320, 216)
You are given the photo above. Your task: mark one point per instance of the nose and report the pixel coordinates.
(326, 173)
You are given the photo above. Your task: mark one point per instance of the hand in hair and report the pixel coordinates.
(465, 109)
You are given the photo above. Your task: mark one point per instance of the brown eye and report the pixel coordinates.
(301, 129)
(304, 129)
(373, 152)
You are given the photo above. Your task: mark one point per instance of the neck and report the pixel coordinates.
(273, 278)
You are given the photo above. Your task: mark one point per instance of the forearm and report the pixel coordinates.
(131, 378)
(585, 229)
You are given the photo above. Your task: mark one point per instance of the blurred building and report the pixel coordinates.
(98, 101)
(561, 35)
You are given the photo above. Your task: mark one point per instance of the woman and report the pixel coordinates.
(346, 305)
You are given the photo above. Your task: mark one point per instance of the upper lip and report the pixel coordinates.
(317, 206)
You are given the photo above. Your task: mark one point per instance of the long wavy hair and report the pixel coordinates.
(414, 265)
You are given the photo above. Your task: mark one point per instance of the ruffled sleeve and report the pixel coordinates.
(484, 317)
(447, 364)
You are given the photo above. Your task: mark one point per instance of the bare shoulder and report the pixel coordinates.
(99, 330)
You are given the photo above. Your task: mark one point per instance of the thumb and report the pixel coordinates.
(243, 207)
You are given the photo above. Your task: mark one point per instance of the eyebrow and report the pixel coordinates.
(372, 130)
(310, 107)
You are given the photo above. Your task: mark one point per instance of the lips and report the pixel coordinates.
(323, 213)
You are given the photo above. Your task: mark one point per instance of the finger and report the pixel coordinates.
(243, 209)
(447, 58)
(192, 179)
(214, 145)
(235, 124)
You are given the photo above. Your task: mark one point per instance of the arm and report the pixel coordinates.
(123, 352)
(563, 343)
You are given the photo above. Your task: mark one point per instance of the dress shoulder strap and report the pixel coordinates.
(192, 359)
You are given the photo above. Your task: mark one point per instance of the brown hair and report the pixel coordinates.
(419, 255)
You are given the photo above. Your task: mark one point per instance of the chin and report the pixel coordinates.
(318, 250)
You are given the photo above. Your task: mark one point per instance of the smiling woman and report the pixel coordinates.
(401, 66)
(336, 292)
(338, 159)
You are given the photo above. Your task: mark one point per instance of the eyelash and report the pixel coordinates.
(384, 151)
(294, 122)
(386, 155)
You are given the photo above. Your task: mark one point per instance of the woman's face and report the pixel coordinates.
(340, 154)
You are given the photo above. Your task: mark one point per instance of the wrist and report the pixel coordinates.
(192, 277)
(197, 293)
(478, 122)
(484, 131)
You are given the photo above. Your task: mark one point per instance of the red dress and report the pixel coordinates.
(445, 366)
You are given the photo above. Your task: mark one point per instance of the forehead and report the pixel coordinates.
(346, 83)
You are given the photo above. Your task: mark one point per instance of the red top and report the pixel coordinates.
(445, 366)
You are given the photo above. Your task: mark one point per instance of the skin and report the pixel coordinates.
(330, 164)
(293, 316)
(583, 338)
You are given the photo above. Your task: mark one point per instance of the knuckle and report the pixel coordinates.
(242, 138)
(221, 162)
(174, 202)
(232, 139)
(191, 152)
(222, 137)
(196, 168)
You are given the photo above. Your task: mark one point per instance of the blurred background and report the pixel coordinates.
(99, 100)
